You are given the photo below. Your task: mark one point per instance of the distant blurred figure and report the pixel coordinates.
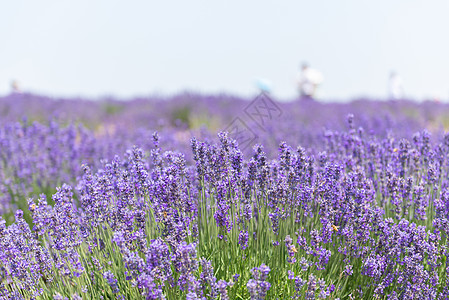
(308, 81)
(15, 87)
(395, 86)
(264, 85)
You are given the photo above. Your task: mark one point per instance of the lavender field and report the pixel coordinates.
(156, 198)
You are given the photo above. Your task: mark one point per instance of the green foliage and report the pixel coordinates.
(182, 114)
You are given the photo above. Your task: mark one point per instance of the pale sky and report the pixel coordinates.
(131, 48)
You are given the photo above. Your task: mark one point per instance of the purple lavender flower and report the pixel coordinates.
(109, 276)
(258, 286)
(243, 239)
(207, 279)
(221, 286)
(348, 270)
(291, 250)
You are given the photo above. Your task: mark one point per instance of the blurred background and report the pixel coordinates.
(96, 49)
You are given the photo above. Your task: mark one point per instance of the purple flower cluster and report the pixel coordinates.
(258, 286)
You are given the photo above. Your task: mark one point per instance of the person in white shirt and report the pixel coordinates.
(15, 89)
(308, 81)
(395, 86)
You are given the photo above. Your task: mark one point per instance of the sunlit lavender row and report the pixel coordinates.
(152, 199)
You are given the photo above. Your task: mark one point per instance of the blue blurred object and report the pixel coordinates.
(264, 85)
